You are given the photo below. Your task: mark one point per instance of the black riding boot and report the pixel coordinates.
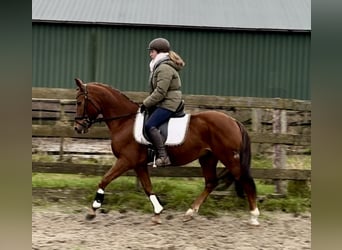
(157, 141)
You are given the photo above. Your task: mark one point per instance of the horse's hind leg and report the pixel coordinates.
(244, 184)
(208, 163)
(246, 179)
(248, 185)
(145, 180)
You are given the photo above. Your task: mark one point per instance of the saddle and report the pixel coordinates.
(173, 131)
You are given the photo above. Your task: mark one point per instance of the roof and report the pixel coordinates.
(292, 15)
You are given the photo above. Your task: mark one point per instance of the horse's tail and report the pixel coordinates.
(245, 162)
(245, 151)
(227, 178)
(245, 165)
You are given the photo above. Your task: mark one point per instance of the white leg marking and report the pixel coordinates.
(96, 204)
(156, 205)
(254, 217)
(190, 212)
(100, 191)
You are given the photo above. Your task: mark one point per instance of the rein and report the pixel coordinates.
(113, 118)
(88, 121)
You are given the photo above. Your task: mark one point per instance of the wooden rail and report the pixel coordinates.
(103, 133)
(183, 171)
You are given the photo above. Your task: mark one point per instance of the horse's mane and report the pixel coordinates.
(114, 90)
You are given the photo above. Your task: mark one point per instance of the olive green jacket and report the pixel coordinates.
(165, 86)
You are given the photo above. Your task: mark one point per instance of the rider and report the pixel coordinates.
(165, 96)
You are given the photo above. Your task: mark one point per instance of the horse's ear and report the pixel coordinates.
(79, 83)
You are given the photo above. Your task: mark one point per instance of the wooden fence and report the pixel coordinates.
(53, 111)
(171, 171)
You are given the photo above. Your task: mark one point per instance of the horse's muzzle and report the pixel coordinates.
(81, 127)
(80, 130)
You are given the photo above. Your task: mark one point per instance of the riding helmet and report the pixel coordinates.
(160, 45)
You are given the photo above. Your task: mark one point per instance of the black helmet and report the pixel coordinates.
(160, 45)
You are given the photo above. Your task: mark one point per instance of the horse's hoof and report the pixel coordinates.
(90, 216)
(187, 218)
(253, 222)
(189, 215)
(156, 219)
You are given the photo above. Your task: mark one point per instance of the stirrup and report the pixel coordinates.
(163, 161)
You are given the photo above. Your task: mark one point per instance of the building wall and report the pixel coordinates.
(228, 63)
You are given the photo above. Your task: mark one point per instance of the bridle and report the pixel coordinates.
(87, 122)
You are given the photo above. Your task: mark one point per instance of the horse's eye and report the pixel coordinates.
(78, 103)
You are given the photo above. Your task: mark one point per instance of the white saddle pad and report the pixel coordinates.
(177, 128)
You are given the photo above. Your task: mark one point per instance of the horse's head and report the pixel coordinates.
(86, 109)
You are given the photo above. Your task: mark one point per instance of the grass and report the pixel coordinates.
(178, 193)
(63, 181)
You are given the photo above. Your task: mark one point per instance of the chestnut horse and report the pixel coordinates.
(211, 137)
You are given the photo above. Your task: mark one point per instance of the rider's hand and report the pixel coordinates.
(142, 108)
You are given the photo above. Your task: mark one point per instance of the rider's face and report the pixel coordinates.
(153, 53)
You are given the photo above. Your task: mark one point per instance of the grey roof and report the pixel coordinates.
(222, 14)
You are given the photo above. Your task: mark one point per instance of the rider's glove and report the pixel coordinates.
(142, 108)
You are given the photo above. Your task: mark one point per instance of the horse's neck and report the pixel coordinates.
(117, 106)
(120, 116)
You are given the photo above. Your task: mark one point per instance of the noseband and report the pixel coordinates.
(87, 122)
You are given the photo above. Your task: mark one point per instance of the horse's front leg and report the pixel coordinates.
(145, 180)
(115, 171)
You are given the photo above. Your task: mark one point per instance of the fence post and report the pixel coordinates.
(256, 127)
(279, 160)
(62, 120)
